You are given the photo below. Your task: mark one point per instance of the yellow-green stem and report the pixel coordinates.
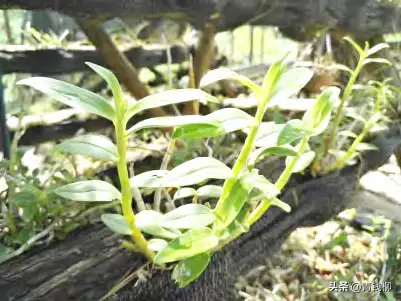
(241, 160)
(286, 175)
(351, 151)
(346, 95)
(281, 182)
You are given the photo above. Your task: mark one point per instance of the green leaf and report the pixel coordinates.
(348, 134)
(224, 121)
(377, 48)
(224, 74)
(188, 216)
(25, 234)
(268, 134)
(149, 222)
(71, 95)
(169, 97)
(377, 61)
(5, 250)
(197, 131)
(172, 121)
(284, 151)
(366, 147)
(340, 67)
(317, 118)
(183, 193)
(290, 83)
(355, 45)
(227, 210)
(25, 198)
(284, 206)
(151, 179)
(264, 189)
(196, 171)
(210, 191)
(303, 161)
(192, 242)
(232, 119)
(116, 223)
(94, 146)
(89, 191)
(109, 77)
(272, 76)
(355, 116)
(157, 244)
(189, 269)
(189, 173)
(290, 132)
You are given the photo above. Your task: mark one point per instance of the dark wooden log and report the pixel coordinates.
(49, 62)
(88, 263)
(362, 18)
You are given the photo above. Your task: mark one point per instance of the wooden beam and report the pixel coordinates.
(25, 59)
(361, 18)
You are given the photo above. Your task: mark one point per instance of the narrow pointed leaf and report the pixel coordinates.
(303, 162)
(184, 193)
(284, 206)
(340, 67)
(94, 146)
(227, 210)
(190, 269)
(377, 48)
(169, 97)
(283, 151)
(289, 134)
(317, 118)
(221, 122)
(197, 131)
(192, 242)
(272, 76)
(149, 222)
(355, 45)
(377, 61)
(89, 191)
(210, 191)
(268, 134)
(71, 95)
(157, 244)
(196, 171)
(171, 121)
(150, 179)
(116, 223)
(188, 216)
(265, 187)
(291, 83)
(224, 74)
(109, 77)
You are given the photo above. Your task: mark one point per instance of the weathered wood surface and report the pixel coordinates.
(363, 18)
(88, 263)
(54, 61)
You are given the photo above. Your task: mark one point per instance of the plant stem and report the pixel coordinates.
(126, 193)
(346, 95)
(351, 151)
(164, 165)
(281, 182)
(286, 175)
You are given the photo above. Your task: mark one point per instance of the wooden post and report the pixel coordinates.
(204, 54)
(117, 61)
